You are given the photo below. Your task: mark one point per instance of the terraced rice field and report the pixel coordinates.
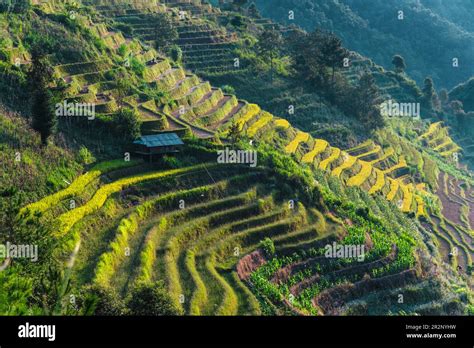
(203, 109)
(437, 137)
(204, 229)
(205, 47)
(187, 227)
(199, 229)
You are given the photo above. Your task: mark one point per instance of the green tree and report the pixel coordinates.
(456, 106)
(123, 89)
(228, 89)
(44, 118)
(399, 63)
(22, 283)
(102, 301)
(15, 6)
(42, 110)
(269, 45)
(128, 124)
(176, 53)
(237, 21)
(152, 299)
(165, 31)
(315, 55)
(460, 116)
(332, 53)
(15, 292)
(235, 133)
(366, 101)
(443, 96)
(429, 94)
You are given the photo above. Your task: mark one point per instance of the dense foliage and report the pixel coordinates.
(391, 32)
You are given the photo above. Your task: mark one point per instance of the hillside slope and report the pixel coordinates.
(374, 30)
(229, 239)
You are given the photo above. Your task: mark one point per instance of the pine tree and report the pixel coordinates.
(44, 118)
(269, 43)
(444, 96)
(429, 94)
(253, 11)
(366, 102)
(42, 111)
(332, 53)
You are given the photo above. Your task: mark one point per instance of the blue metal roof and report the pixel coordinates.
(158, 140)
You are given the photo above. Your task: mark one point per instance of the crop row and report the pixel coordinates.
(76, 187)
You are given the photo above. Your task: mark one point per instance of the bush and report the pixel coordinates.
(85, 156)
(100, 300)
(137, 67)
(176, 53)
(227, 89)
(128, 124)
(152, 299)
(268, 247)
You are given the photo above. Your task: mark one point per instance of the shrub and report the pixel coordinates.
(151, 299)
(102, 301)
(228, 89)
(137, 67)
(85, 156)
(176, 53)
(268, 247)
(127, 124)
